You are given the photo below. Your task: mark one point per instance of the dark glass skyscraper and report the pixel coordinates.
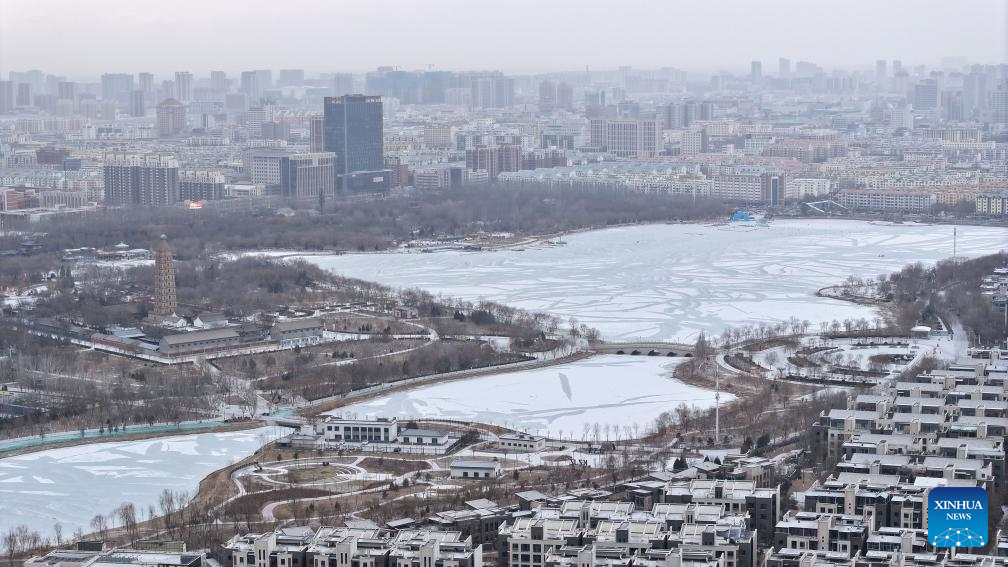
(352, 128)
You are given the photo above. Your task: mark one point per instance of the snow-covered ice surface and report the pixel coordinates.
(609, 390)
(71, 485)
(671, 281)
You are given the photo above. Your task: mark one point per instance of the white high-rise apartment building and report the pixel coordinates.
(803, 187)
(627, 137)
(183, 86)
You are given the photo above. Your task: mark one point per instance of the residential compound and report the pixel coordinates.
(919, 141)
(966, 401)
(352, 547)
(885, 452)
(554, 532)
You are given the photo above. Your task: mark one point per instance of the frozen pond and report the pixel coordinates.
(671, 281)
(70, 485)
(608, 390)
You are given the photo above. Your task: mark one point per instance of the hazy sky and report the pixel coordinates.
(82, 38)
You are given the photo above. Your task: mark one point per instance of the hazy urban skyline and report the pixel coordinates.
(82, 40)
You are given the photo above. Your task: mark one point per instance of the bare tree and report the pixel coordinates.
(99, 524)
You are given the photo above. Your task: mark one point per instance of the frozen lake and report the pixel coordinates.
(70, 485)
(671, 281)
(608, 390)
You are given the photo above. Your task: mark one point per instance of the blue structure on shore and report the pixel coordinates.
(741, 216)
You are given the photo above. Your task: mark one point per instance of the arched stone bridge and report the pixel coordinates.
(644, 348)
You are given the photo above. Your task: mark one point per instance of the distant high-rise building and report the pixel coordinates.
(165, 299)
(807, 69)
(255, 117)
(255, 83)
(265, 78)
(6, 96)
(275, 130)
(773, 188)
(952, 105)
(509, 157)
(627, 137)
(595, 99)
(145, 82)
(218, 81)
(902, 116)
(308, 175)
(437, 136)
(170, 118)
(784, 67)
(23, 96)
(316, 134)
(117, 87)
(694, 141)
(564, 96)
(483, 158)
(290, 78)
(434, 86)
(342, 84)
(901, 84)
(353, 130)
(167, 90)
(140, 180)
(136, 107)
(399, 171)
(998, 104)
(926, 95)
(492, 92)
(756, 72)
(183, 86)
(52, 84)
(67, 90)
(671, 115)
(34, 78)
(201, 185)
(263, 167)
(881, 78)
(971, 95)
(547, 97)
(392, 83)
(628, 109)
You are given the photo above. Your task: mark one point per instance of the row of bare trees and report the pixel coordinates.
(371, 224)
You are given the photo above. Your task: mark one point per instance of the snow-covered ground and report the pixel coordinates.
(608, 390)
(671, 281)
(850, 354)
(843, 352)
(71, 485)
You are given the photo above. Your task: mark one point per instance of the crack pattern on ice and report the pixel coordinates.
(672, 281)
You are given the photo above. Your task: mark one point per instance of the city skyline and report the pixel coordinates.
(641, 34)
(646, 283)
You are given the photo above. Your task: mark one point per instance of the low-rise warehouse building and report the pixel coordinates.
(520, 442)
(196, 341)
(471, 469)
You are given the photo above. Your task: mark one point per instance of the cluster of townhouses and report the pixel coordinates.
(888, 449)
